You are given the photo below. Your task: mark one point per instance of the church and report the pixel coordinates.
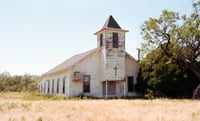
(103, 72)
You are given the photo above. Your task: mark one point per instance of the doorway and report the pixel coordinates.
(111, 88)
(130, 83)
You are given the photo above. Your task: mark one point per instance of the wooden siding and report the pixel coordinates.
(90, 66)
(114, 57)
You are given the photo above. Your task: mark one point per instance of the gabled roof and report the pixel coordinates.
(70, 62)
(111, 23)
(75, 60)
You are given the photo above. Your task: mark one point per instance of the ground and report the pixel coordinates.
(14, 107)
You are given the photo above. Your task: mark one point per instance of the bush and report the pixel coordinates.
(25, 83)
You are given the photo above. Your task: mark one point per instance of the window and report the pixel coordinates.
(101, 40)
(64, 84)
(53, 86)
(44, 87)
(48, 88)
(86, 83)
(115, 40)
(58, 85)
(130, 84)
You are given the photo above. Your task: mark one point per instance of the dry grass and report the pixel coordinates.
(99, 110)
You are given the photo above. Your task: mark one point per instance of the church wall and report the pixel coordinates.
(41, 85)
(132, 69)
(49, 85)
(120, 88)
(115, 57)
(108, 63)
(58, 79)
(89, 66)
(67, 84)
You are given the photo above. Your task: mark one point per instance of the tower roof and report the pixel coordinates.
(111, 23)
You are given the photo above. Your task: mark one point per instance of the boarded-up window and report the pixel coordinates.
(58, 85)
(86, 83)
(44, 87)
(48, 86)
(53, 86)
(101, 40)
(64, 84)
(115, 40)
(130, 84)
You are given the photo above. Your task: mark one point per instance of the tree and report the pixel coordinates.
(177, 36)
(18, 83)
(165, 77)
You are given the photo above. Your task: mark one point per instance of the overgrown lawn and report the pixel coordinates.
(20, 107)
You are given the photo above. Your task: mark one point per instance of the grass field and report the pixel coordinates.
(14, 107)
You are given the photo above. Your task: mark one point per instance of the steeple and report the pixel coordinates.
(111, 23)
(111, 41)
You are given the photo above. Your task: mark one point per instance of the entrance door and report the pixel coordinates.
(130, 84)
(111, 88)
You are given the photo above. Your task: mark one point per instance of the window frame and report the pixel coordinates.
(52, 86)
(115, 40)
(63, 88)
(130, 83)
(48, 86)
(86, 87)
(58, 85)
(101, 40)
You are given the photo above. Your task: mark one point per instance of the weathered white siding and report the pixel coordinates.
(132, 69)
(67, 85)
(93, 65)
(120, 89)
(49, 85)
(115, 57)
(106, 64)
(89, 66)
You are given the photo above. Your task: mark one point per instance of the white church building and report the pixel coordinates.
(103, 72)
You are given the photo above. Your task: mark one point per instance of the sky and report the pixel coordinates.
(37, 35)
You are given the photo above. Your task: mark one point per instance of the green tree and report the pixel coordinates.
(177, 36)
(18, 83)
(164, 76)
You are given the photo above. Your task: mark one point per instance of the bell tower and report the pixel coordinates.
(111, 41)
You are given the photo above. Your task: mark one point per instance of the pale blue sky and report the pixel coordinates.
(36, 35)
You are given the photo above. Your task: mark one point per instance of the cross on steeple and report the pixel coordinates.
(115, 70)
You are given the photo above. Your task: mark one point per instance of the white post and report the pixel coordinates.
(106, 89)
